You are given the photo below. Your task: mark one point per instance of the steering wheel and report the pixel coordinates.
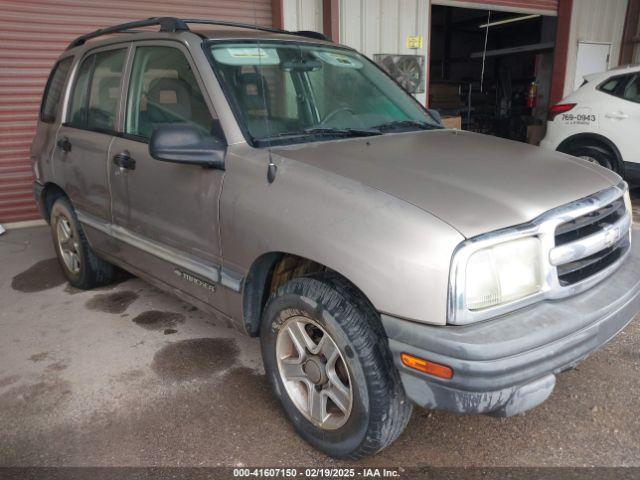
(335, 112)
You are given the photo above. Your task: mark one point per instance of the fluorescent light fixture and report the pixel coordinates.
(508, 20)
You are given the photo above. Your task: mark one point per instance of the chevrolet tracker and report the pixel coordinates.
(287, 184)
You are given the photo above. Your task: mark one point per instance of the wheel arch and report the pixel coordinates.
(267, 273)
(50, 193)
(592, 140)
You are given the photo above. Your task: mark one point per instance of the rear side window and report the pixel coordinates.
(53, 90)
(163, 91)
(632, 90)
(96, 93)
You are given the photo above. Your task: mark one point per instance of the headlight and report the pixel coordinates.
(493, 275)
(503, 273)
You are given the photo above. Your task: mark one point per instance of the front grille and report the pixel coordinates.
(573, 234)
(574, 272)
(590, 223)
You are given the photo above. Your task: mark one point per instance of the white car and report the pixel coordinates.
(600, 122)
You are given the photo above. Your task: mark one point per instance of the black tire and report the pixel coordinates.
(93, 271)
(596, 154)
(380, 410)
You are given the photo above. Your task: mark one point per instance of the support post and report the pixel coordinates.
(630, 36)
(277, 14)
(331, 19)
(563, 31)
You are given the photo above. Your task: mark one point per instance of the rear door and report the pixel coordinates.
(45, 139)
(166, 214)
(83, 141)
(620, 116)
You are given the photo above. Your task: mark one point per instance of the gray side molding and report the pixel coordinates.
(213, 273)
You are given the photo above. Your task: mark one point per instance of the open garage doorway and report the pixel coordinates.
(490, 71)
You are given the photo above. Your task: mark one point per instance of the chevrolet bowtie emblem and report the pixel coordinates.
(611, 236)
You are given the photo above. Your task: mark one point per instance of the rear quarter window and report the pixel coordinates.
(53, 90)
(619, 86)
(610, 86)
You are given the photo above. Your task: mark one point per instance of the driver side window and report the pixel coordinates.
(163, 91)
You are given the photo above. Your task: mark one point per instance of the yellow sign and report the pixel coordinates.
(414, 42)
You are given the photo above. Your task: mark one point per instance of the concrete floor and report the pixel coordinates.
(128, 375)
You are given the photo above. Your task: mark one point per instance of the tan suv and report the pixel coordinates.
(288, 184)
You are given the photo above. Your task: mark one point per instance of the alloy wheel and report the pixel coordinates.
(68, 245)
(314, 372)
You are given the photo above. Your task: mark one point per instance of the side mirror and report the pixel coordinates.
(184, 143)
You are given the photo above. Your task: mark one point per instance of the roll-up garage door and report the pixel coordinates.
(32, 35)
(543, 7)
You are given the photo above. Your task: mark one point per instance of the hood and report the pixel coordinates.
(475, 183)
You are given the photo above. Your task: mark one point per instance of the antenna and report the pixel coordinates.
(272, 167)
(484, 51)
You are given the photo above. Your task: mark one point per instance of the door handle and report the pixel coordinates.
(617, 115)
(64, 144)
(124, 160)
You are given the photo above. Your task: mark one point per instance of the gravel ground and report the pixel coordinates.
(130, 376)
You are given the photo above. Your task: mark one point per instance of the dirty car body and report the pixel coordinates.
(500, 263)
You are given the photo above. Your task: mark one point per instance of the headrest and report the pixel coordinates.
(169, 97)
(254, 91)
(109, 88)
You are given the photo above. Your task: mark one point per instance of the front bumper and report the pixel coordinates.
(508, 365)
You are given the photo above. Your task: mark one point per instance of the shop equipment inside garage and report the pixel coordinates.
(492, 69)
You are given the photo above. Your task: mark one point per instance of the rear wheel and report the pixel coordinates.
(327, 359)
(82, 267)
(595, 154)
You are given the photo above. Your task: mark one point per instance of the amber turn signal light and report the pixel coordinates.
(425, 366)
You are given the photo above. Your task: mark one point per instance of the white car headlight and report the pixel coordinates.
(503, 273)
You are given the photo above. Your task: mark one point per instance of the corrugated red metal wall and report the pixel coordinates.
(32, 35)
(550, 6)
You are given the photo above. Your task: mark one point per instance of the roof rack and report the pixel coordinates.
(171, 24)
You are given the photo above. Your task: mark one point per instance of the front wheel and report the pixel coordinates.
(327, 359)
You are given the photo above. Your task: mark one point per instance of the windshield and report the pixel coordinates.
(287, 93)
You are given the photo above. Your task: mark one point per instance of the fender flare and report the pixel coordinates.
(49, 193)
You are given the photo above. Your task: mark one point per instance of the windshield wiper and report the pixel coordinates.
(327, 131)
(399, 124)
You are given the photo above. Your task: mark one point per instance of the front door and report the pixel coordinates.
(83, 141)
(166, 214)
